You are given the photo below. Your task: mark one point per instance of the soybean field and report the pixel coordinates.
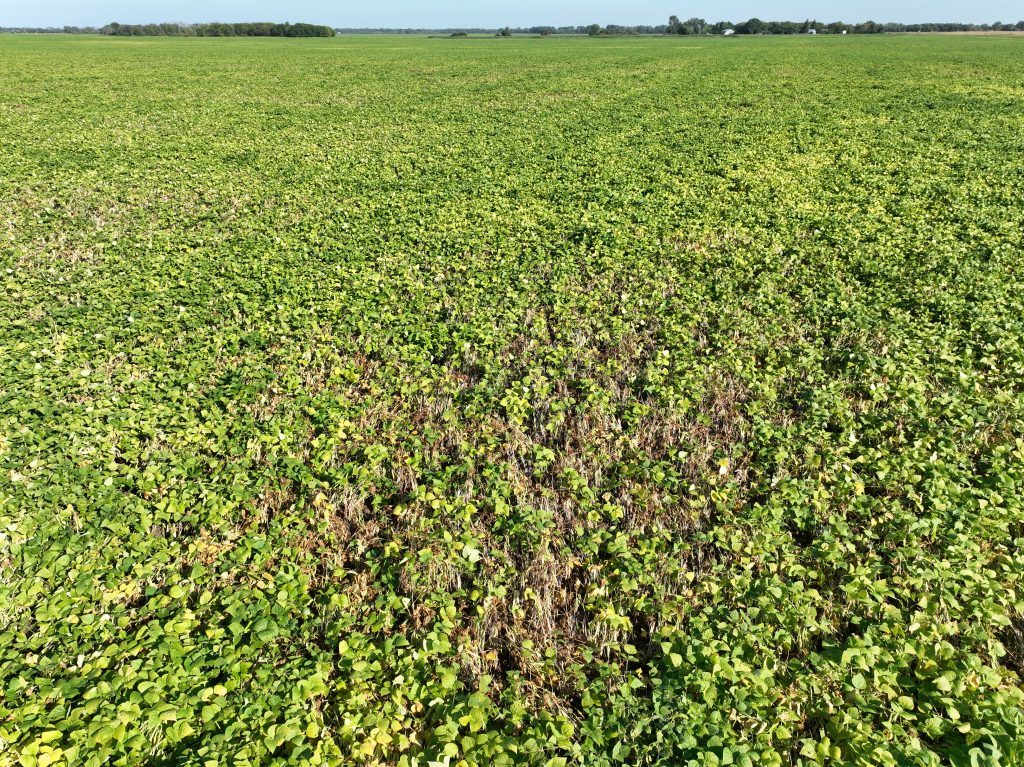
(564, 401)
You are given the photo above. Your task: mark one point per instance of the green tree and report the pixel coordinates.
(694, 26)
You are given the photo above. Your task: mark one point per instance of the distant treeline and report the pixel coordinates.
(217, 29)
(697, 26)
(693, 26)
(755, 26)
(214, 29)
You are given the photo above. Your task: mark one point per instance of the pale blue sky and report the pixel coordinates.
(465, 13)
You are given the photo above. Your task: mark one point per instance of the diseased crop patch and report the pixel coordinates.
(531, 401)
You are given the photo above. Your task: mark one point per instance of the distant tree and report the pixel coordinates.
(694, 26)
(506, 32)
(870, 28)
(675, 26)
(751, 27)
(594, 30)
